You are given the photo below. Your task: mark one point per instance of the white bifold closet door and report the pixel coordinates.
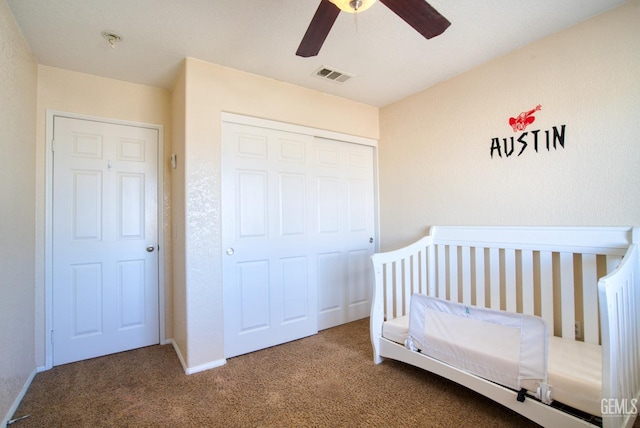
(298, 225)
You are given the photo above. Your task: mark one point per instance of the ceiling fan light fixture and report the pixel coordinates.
(353, 6)
(417, 13)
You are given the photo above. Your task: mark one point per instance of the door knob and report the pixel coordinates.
(230, 251)
(150, 248)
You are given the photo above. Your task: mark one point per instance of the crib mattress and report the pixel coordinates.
(574, 368)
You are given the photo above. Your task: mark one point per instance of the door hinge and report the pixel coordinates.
(51, 336)
(53, 145)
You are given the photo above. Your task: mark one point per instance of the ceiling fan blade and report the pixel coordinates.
(318, 30)
(420, 15)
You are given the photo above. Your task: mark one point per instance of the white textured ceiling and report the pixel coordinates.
(389, 59)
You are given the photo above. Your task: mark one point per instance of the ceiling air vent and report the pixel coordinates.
(331, 74)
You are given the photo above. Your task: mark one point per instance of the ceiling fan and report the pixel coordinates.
(417, 13)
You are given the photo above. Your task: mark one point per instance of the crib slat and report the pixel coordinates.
(465, 259)
(422, 267)
(397, 300)
(388, 292)
(546, 289)
(415, 273)
(567, 298)
(406, 278)
(510, 279)
(431, 272)
(494, 277)
(442, 272)
(453, 274)
(480, 294)
(590, 298)
(527, 282)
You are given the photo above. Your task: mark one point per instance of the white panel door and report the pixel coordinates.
(343, 174)
(268, 268)
(105, 257)
(292, 205)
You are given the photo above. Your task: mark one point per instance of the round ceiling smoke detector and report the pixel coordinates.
(112, 38)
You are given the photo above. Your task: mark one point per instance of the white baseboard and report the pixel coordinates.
(196, 369)
(18, 400)
(207, 366)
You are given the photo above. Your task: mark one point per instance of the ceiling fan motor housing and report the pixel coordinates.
(417, 13)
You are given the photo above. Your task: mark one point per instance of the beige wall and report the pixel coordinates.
(18, 82)
(178, 213)
(68, 91)
(434, 149)
(209, 91)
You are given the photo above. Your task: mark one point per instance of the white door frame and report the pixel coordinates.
(48, 234)
(299, 129)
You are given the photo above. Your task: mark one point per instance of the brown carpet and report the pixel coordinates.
(326, 380)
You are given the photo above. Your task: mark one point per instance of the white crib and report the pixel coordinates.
(584, 282)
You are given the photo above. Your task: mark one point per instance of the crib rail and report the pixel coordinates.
(398, 274)
(526, 281)
(550, 272)
(620, 297)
